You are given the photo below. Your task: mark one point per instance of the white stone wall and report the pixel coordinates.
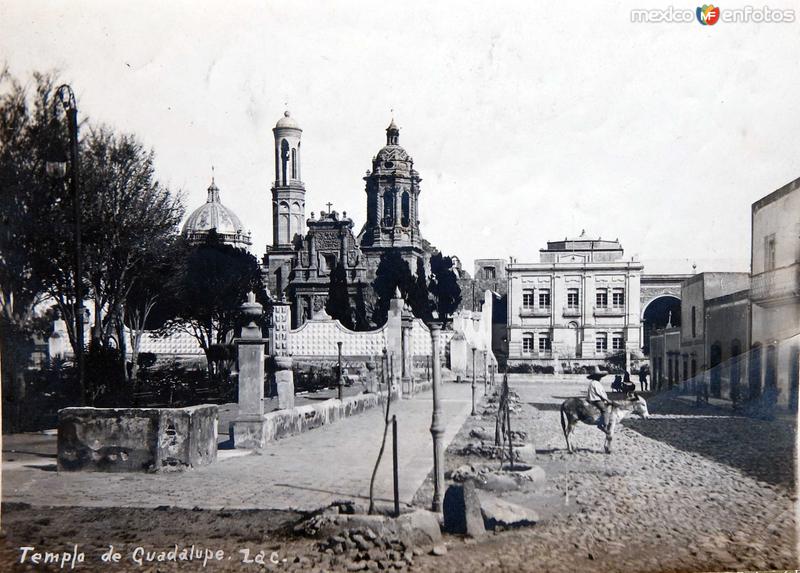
(319, 337)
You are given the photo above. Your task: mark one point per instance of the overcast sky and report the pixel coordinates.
(527, 121)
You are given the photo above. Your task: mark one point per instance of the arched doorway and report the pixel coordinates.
(736, 350)
(716, 366)
(754, 372)
(656, 314)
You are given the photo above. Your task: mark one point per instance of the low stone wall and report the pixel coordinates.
(284, 423)
(136, 439)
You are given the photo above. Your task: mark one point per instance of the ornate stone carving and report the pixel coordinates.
(327, 240)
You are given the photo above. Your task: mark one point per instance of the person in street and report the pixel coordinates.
(643, 379)
(597, 397)
(627, 386)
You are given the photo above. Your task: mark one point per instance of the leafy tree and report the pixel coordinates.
(419, 296)
(444, 286)
(338, 304)
(129, 219)
(146, 304)
(125, 214)
(206, 293)
(392, 273)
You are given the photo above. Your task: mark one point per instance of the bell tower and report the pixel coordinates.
(392, 189)
(288, 191)
(288, 206)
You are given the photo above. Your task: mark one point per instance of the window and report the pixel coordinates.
(601, 342)
(544, 343)
(618, 298)
(618, 342)
(602, 297)
(527, 298)
(329, 261)
(405, 207)
(544, 298)
(388, 209)
(294, 163)
(694, 322)
(489, 273)
(769, 252)
(572, 298)
(527, 343)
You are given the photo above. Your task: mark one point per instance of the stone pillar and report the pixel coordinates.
(394, 334)
(284, 382)
(248, 427)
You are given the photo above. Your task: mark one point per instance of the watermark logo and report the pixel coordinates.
(707, 14)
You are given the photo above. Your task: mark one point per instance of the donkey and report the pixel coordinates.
(575, 410)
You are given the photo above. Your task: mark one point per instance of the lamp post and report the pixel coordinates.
(485, 373)
(339, 377)
(56, 166)
(437, 425)
(473, 380)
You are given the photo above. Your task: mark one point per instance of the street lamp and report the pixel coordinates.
(437, 424)
(56, 167)
(473, 380)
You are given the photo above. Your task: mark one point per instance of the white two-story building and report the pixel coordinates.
(578, 304)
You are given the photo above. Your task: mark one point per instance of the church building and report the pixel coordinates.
(304, 252)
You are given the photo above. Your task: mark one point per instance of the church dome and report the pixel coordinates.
(214, 215)
(287, 122)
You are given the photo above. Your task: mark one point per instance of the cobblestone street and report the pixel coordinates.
(686, 490)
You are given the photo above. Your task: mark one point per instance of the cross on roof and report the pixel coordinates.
(329, 204)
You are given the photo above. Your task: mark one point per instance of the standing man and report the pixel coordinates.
(643, 379)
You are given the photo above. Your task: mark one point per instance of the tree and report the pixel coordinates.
(146, 305)
(28, 215)
(338, 304)
(125, 214)
(130, 218)
(392, 273)
(207, 291)
(444, 286)
(419, 296)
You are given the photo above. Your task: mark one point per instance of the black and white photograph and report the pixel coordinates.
(418, 286)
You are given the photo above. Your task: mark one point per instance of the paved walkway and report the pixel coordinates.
(301, 472)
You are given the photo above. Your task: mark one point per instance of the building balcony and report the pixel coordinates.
(571, 311)
(777, 286)
(609, 311)
(532, 312)
(538, 355)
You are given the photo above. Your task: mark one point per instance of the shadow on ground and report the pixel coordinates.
(763, 449)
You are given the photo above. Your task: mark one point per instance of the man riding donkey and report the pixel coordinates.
(597, 397)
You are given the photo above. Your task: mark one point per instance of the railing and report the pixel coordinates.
(777, 285)
(538, 354)
(534, 311)
(609, 311)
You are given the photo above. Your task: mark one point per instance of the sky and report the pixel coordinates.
(527, 121)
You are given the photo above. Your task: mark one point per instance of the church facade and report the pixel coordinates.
(304, 252)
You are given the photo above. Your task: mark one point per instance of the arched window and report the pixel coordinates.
(284, 159)
(297, 220)
(388, 209)
(283, 222)
(405, 209)
(294, 163)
